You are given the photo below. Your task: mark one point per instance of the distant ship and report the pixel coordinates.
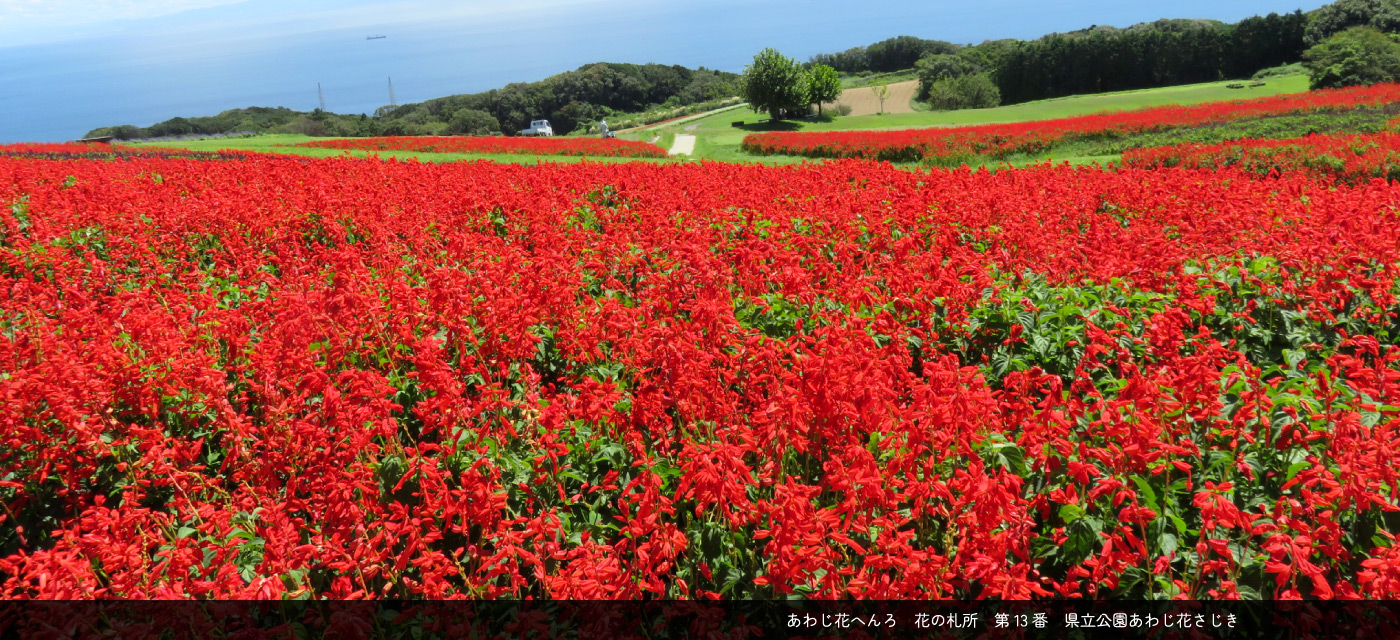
(375, 37)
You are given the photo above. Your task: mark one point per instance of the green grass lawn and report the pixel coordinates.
(665, 141)
(269, 143)
(719, 139)
(851, 82)
(1067, 107)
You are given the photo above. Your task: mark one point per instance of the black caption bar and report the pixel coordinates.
(314, 620)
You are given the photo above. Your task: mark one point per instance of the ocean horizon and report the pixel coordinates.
(203, 62)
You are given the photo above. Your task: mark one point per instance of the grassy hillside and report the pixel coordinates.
(718, 139)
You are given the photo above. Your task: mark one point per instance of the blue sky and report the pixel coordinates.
(72, 65)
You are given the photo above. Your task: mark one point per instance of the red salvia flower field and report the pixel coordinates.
(958, 144)
(285, 377)
(92, 151)
(1349, 157)
(601, 147)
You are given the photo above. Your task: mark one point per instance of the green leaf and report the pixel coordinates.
(1044, 547)
(1168, 543)
(1180, 524)
(1010, 457)
(1158, 533)
(1082, 541)
(1145, 491)
(1166, 589)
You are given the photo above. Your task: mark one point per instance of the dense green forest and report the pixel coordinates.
(1103, 58)
(1157, 54)
(569, 100)
(894, 54)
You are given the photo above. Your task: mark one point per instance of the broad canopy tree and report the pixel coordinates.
(774, 83)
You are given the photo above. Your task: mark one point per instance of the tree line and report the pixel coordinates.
(1158, 54)
(893, 54)
(1102, 58)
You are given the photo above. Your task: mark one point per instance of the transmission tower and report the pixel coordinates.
(321, 94)
(393, 102)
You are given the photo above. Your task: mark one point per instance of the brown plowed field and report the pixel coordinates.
(863, 103)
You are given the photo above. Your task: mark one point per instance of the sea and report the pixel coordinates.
(202, 62)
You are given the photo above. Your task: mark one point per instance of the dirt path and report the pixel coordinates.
(684, 144)
(862, 100)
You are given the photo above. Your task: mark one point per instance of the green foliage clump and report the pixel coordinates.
(901, 52)
(960, 81)
(473, 122)
(1383, 15)
(893, 54)
(976, 91)
(1357, 56)
(943, 66)
(1280, 71)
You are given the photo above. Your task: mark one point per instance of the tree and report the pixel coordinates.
(1344, 14)
(893, 54)
(1357, 56)
(472, 122)
(126, 132)
(975, 91)
(881, 92)
(979, 91)
(706, 86)
(773, 83)
(850, 61)
(1261, 42)
(942, 66)
(990, 53)
(576, 115)
(823, 85)
(901, 52)
(394, 128)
